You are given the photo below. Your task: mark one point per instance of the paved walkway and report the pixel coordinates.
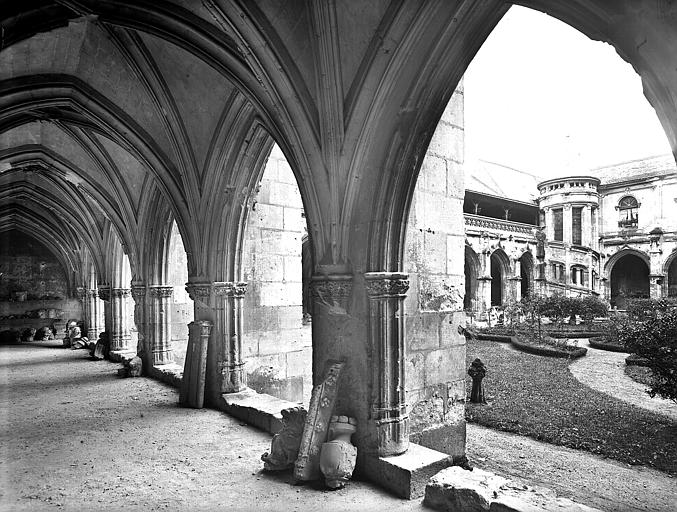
(604, 371)
(75, 437)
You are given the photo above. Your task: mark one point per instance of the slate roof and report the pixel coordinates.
(501, 181)
(656, 166)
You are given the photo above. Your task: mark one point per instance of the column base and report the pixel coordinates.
(393, 434)
(233, 378)
(162, 357)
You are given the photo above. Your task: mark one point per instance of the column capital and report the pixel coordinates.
(386, 284)
(334, 285)
(104, 292)
(235, 289)
(80, 293)
(199, 290)
(138, 291)
(120, 292)
(161, 291)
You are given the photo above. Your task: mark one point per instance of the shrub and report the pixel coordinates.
(646, 309)
(656, 341)
(591, 307)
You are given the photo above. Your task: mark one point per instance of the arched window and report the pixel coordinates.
(627, 212)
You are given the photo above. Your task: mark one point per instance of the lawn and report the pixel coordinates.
(538, 397)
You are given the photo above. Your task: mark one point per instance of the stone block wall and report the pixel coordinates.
(277, 345)
(434, 259)
(26, 265)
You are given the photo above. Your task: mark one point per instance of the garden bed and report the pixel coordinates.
(543, 349)
(573, 334)
(635, 360)
(540, 398)
(502, 338)
(602, 343)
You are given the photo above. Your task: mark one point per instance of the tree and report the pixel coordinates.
(656, 341)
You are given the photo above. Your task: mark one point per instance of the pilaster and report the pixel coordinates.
(386, 292)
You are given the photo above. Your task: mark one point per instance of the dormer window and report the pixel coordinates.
(627, 212)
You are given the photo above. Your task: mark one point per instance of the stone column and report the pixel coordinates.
(201, 292)
(138, 291)
(484, 283)
(386, 292)
(120, 336)
(104, 295)
(228, 317)
(94, 314)
(515, 282)
(160, 322)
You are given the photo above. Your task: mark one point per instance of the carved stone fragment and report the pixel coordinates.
(307, 466)
(285, 445)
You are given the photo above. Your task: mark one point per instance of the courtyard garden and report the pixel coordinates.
(537, 396)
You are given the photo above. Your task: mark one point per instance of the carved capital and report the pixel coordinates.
(104, 293)
(199, 291)
(138, 292)
(230, 289)
(91, 294)
(120, 293)
(386, 284)
(161, 292)
(337, 287)
(80, 293)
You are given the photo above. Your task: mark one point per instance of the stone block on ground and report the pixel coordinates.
(458, 490)
(262, 411)
(406, 475)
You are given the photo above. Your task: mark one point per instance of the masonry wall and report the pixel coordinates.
(277, 344)
(434, 260)
(26, 265)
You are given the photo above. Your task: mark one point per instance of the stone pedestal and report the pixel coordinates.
(160, 322)
(386, 292)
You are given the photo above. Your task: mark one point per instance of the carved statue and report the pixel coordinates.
(540, 243)
(477, 372)
(284, 447)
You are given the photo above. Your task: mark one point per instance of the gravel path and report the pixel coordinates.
(75, 437)
(604, 371)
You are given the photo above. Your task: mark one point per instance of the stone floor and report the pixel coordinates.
(75, 437)
(604, 371)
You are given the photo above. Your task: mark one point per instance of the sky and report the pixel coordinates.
(544, 98)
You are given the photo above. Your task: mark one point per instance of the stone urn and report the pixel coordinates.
(338, 455)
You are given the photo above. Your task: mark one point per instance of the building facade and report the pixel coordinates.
(613, 235)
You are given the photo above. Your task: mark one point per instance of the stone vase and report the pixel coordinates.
(337, 458)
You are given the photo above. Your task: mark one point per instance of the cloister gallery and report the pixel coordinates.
(297, 167)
